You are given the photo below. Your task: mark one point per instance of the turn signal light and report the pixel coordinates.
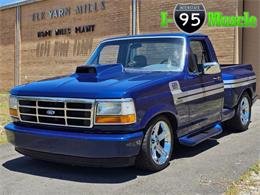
(122, 119)
(13, 112)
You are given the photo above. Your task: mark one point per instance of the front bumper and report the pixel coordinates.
(52, 145)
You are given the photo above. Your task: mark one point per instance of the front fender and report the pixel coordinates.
(156, 110)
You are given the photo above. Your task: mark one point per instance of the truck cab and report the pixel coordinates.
(131, 102)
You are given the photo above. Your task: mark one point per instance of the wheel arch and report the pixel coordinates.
(247, 90)
(172, 119)
(170, 116)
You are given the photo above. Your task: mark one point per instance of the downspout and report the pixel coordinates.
(134, 17)
(242, 35)
(17, 46)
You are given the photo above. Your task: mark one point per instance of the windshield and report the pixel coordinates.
(148, 54)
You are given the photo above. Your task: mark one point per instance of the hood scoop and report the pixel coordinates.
(99, 72)
(86, 70)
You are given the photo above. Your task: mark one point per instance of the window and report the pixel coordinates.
(198, 55)
(109, 54)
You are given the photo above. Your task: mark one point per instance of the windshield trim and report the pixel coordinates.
(144, 37)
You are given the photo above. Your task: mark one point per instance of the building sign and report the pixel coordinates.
(66, 31)
(67, 46)
(64, 48)
(67, 11)
(92, 7)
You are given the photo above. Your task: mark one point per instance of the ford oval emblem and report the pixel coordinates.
(50, 112)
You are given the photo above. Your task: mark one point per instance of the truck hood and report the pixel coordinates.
(120, 84)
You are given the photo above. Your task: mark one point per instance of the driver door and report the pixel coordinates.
(206, 103)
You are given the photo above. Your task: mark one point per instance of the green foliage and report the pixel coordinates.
(245, 181)
(4, 115)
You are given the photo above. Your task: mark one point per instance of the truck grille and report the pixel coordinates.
(56, 111)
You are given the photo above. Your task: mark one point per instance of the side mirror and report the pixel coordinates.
(211, 68)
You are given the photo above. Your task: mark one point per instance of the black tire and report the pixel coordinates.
(235, 124)
(144, 159)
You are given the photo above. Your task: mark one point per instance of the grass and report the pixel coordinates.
(248, 181)
(4, 115)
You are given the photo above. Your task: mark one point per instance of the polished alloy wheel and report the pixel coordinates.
(244, 111)
(160, 142)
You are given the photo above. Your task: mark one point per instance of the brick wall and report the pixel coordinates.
(59, 55)
(223, 39)
(7, 49)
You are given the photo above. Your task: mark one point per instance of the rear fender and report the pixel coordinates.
(248, 90)
(233, 95)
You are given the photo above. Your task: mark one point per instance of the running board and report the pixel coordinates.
(196, 138)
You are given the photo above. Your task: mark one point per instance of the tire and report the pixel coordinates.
(155, 154)
(241, 120)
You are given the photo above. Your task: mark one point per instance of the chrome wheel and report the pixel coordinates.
(160, 142)
(244, 111)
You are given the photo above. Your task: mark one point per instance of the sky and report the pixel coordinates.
(7, 2)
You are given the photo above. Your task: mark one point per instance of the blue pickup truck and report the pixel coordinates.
(133, 100)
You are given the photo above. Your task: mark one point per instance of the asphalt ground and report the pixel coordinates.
(208, 168)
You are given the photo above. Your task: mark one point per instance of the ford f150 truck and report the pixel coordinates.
(132, 101)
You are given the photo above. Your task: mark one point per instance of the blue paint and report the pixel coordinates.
(75, 144)
(73, 135)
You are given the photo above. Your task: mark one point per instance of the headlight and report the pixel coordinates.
(120, 111)
(13, 105)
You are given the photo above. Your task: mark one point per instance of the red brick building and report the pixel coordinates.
(46, 38)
